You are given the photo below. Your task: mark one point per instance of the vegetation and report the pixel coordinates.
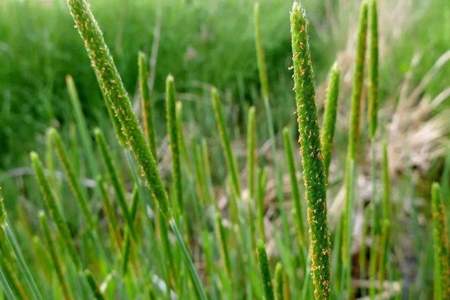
(208, 197)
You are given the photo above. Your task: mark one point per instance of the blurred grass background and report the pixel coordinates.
(201, 43)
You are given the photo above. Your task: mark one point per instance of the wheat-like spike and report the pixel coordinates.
(373, 69)
(174, 141)
(251, 152)
(329, 119)
(146, 105)
(116, 97)
(313, 167)
(358, 78)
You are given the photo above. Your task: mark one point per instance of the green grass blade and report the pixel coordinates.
(225, 141)
(265, 272)
(74, 182)
(195, 277)
(279, 282)
(13, 244)
(298, 207)
(52, 208)
(54, 255)
(81, 126)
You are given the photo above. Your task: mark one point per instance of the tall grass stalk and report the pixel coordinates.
(279, 282)
(329, 119)
(265, 271)
(198, 286)
(72, 177)
(230, 160)
(51, 206)
(440, 245)
(358, 78)
(353, 142)
(114, 177)
(146, 105)
(251, 153)
(313, 167)
(298, 207)
(82, 128)
(117, 97)
(265, 92)
(174, 141)
(373, 69)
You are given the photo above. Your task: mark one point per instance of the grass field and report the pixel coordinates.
(225, 149)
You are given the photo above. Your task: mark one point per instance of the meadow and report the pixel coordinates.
(225, 150)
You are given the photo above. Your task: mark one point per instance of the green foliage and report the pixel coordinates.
(231, 189)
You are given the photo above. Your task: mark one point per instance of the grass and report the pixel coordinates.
(215, 210)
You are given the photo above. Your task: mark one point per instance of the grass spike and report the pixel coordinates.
(52, 208)
(373, 68)
(251, 152)
(225, 140)
(174, 140)
(313, 167)
(146, 105)
(279, 282)
(329, 119)
(358, 78)
(116, 97)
